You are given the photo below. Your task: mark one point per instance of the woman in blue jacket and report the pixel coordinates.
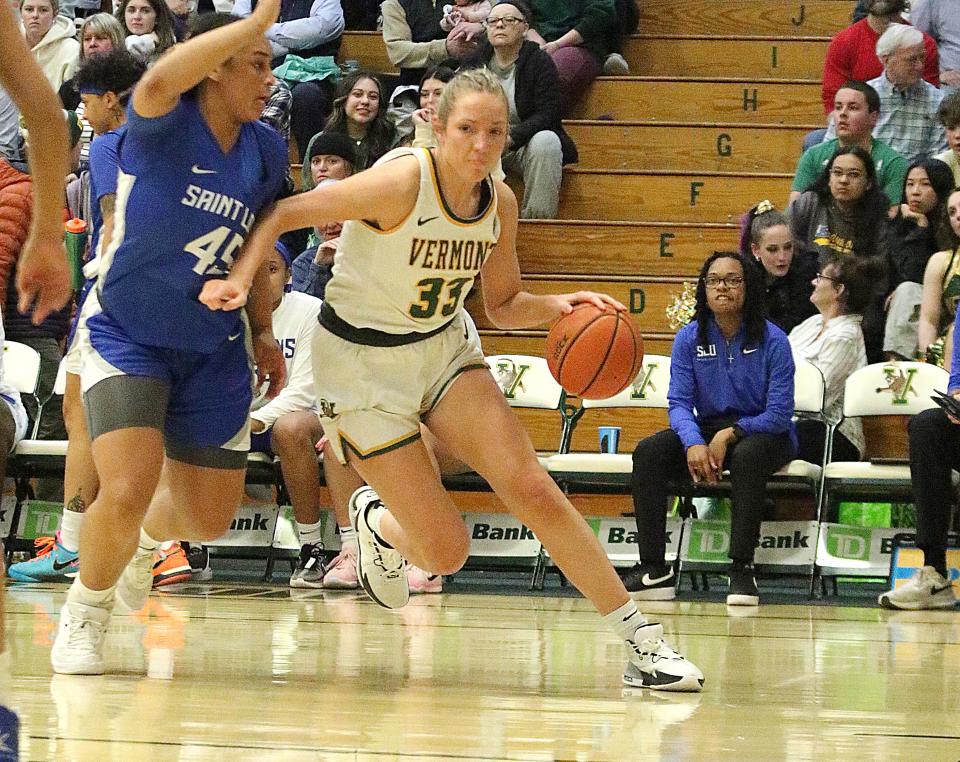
(731, 404)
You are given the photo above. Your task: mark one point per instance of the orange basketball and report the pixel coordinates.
(594, 353)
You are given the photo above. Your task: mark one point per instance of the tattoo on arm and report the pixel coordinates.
(77, 504)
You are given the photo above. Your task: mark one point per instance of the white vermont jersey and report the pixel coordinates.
(416, 276)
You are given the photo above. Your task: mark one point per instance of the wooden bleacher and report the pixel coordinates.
(710, 121)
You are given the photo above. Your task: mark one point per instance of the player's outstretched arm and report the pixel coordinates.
(384, 194)
(506, 304)
(185, 66)
(43, 277)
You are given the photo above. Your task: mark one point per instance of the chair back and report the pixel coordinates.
(649, 389)
(21, 367)
(892, 388)
(809, 390)
(526, 381)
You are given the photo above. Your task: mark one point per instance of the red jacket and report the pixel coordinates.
(16, 203)
(853, 55)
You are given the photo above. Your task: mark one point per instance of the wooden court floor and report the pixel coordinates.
(221, 672)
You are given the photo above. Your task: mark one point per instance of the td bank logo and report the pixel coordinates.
(643, 382)
(849, 542)
(709, 541)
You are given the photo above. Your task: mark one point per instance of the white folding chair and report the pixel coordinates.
(882, 389)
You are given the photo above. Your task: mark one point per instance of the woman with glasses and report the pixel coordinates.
(832, 340)
(731, 403)
(846, 211)
(537, 146)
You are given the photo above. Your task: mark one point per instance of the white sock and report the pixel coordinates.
(625, 620)
(147, 544)
(70, 524)
(373, 521)
(310, 534)
(348, 537)
(80, 593)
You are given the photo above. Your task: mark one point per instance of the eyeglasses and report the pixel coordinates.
(821, 276)
(503, 21)
(730, 281)
(850, 174)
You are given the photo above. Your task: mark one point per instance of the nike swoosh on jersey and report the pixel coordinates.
(200, 171)
(235, 336)
(425, 220)
(646, 581)
(750, 351)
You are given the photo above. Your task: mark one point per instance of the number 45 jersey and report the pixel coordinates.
(415, 277)
(183, 210)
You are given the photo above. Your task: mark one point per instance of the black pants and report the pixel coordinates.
(308, 112)
(810, 437)
(934, 452)
(661, 459)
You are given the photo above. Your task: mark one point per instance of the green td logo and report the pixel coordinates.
(849, 542)
(709, 541)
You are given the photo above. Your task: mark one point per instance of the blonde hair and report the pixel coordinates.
(470, 81)
(103, 25)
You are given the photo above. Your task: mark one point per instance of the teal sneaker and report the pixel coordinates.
(53, 563)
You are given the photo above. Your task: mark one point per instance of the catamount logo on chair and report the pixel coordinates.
(899, 383)
(644, 381)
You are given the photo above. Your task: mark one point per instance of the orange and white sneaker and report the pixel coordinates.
(420, 581)
(170, 565)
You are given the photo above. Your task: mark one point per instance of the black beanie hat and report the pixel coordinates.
(333, 144)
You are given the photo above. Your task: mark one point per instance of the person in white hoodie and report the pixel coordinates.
(52, 39)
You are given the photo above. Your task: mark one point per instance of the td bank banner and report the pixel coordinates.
(781, 543)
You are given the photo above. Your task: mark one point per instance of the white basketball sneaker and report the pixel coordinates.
(380, 568)
(653, 664)
(78, 649)
(927, 589)
(133, 587)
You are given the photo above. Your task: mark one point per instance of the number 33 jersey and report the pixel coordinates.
(183, 210)
(416, 276)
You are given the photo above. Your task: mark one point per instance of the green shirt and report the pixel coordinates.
(891, 167)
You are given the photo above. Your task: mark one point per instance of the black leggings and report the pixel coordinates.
(934, 452)
(660, 460)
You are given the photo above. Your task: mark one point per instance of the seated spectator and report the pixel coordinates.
(731, 404)
(305, 29)
(934, 453)
(766, 239)
(331, 158)
(13, 418)
(852, 53)
(180, 11)
(428, 102)
(52, 39)
(12, 147)
(100, 33)
(359, 112)
(537, 146)
(919, 230)
(941, 295)
(949, 115)
(855, 114)
(832, 340)
(288, 424)
(845, 211)
(940, 19)
(908, 105)
(415, 41)
(628, 19)
(575, 33)
(148, 26)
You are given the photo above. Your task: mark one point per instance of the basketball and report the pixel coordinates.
(594, 353)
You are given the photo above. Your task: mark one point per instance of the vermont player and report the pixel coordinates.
(423, 225)
(167, 383)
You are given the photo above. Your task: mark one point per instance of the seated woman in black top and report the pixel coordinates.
(787, 274)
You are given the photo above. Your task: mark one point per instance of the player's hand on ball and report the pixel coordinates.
(43, 277)
(223, 294)
(600, 301)
(270, 364)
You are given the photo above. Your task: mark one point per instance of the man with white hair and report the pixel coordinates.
(941, 20)
(908, 105)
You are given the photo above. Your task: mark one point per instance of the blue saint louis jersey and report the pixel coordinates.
(183, 210)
